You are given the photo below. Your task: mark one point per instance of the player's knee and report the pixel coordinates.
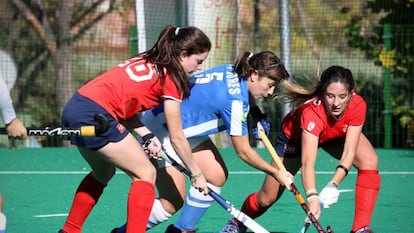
(147, 173)
(266, 202)
(266, 199)
(367, 161)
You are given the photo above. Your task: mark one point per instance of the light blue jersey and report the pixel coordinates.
(219, 101)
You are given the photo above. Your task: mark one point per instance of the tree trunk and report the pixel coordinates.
(63, 57)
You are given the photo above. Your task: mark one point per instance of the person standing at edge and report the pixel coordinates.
(157, 76)
(15, 129)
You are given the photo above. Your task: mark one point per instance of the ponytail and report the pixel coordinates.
(165, 53)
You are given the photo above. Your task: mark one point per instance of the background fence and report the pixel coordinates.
(50, 48)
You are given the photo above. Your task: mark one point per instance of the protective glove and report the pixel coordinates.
(329, 195)
(266, 128)
(151, 145)
(259, 116)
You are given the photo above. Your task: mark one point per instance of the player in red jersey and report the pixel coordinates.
(332, 119)
(154, 77)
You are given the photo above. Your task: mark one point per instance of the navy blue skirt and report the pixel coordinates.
(80, 111)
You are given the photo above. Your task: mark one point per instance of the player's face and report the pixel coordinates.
(193, 62)
(336, 99)
(261, 87)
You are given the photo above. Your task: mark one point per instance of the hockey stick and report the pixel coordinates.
(305, 227)
(293, 187)
(229, 207)
(84, 131)
(308, 223)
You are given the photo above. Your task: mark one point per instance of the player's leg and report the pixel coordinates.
(171, 183)
(88, 191)
(257, 203)
(129, 156)
(367, 184)
(368, 179)
(171, 186)
(196, 204)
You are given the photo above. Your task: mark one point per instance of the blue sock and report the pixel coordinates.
(196, 204)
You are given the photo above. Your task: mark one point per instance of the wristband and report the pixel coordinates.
(147, 139)
(310, 191)
(343, 167)
(311, 194)
(194, 177)
(314, 197)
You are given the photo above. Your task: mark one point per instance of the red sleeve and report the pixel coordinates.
(170, 90)
(357, 110)
(311, 121)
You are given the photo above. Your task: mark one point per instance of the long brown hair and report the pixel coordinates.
(268, 64)
(332, 74)
(165, 53)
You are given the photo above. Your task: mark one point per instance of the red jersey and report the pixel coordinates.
(312, 118)
(129, 88)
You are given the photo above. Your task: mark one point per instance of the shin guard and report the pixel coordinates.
(366, 192)
(140, 200)
(251, 206)
(86, 196)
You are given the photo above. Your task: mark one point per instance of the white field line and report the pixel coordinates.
(50, 215)
(120, 172)
(65, 214)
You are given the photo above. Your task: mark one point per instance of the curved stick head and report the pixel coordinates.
(329, 229)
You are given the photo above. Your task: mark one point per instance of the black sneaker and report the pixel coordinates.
(61, 231)
(172, 229)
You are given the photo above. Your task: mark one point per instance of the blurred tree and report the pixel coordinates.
(365, 32)
(41, 34)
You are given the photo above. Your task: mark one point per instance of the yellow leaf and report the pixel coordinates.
(387, 58)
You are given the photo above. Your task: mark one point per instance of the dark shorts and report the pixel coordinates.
(290, 149)
(286, 148)
(80, 111)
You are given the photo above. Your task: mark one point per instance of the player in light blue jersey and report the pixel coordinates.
(219, 101)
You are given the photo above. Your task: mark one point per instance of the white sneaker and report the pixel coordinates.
(364, 230)
(233, 226)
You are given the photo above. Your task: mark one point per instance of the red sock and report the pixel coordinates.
(251, 206)
(366, 192)
(86, 197)
(140, 200)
